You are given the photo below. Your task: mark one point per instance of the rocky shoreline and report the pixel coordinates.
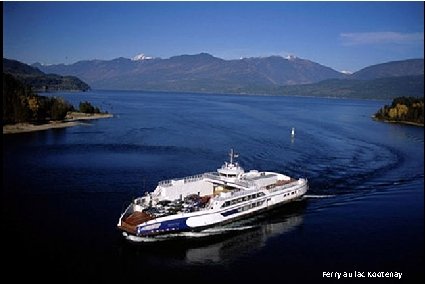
(71, 119)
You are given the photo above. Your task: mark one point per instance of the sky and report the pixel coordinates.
(346, 36)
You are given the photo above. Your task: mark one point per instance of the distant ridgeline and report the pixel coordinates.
(403, 109)
(273, 75)
(380, 88)
(21, 104)
(41, 82)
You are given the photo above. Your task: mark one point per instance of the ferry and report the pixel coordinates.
(200, 202)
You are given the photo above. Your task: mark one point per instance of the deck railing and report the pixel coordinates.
(243, 183)
(210, 175)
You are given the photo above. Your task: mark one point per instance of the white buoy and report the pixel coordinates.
(293, 132)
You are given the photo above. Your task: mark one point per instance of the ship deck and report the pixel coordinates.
(129, 223)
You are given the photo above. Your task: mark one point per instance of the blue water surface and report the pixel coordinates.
(64, 189)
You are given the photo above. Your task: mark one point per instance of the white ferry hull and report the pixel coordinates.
(206, 200)
(198, 221)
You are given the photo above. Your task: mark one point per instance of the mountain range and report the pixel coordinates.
(200, 72)
(270, 75)
(259, 75)
(410, 67)
(41, 82)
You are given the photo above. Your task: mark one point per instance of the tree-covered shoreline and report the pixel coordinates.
(408, 110)
(22, 104)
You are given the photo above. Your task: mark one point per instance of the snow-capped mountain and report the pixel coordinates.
(140, 57)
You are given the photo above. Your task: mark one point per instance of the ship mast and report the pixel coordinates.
(232, 169)
(232, 156)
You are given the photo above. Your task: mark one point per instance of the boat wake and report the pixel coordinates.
(319, 196)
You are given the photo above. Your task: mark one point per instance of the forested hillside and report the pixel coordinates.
(40, 81)
(403, 109)
(22, 104)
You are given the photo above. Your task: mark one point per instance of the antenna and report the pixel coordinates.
(233, 155)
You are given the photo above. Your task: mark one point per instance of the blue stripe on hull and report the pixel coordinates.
(163, 227)
(230, 212)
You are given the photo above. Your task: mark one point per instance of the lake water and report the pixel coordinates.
(64, 190)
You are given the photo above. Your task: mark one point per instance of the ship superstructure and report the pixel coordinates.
(198, 202)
